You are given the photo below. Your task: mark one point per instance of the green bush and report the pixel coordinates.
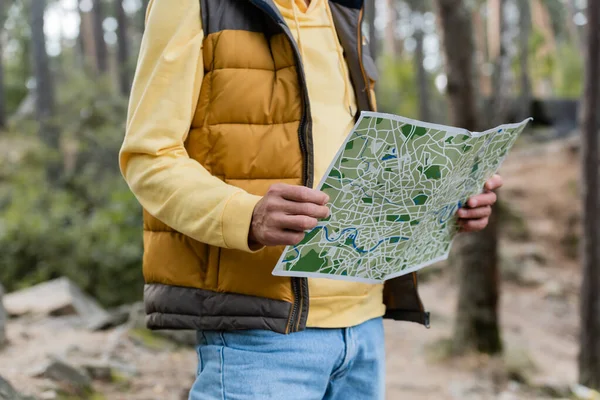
(397, 90)
(46, 233)
(87, 226)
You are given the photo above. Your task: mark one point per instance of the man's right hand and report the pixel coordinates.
(283, 215)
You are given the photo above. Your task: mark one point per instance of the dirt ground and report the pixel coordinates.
(539, 313)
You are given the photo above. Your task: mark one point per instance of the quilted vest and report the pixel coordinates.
(252, 128)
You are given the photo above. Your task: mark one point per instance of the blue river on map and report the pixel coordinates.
(351, 236)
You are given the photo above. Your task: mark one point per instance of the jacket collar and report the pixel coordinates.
(270, 7)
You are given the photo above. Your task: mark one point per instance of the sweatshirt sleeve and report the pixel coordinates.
(170, 185)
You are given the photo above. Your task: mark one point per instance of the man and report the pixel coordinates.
(237, 108)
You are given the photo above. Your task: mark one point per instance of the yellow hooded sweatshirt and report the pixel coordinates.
(181, 192)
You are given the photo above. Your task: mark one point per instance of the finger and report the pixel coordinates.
(495, 182)
(475, 213)
(482, 200)
(292, 238)
(308, 209)
(303, 194)
(297, 223)
(474, 225)
(285, 238)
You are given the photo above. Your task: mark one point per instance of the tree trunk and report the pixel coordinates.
(392, 46)
(99, 43)
(85, 38)
(123, 51)
(457, 32)
(494, 20)
(499, 100)
(574, 29)
(524, 36)
(418, 6)
(2, 91)
(589, 354)
(543, 24)
(43, 77)
(81, 56)
(481, 47)
(422, 81)
(143, 11)
(476, 326)
(370, 13)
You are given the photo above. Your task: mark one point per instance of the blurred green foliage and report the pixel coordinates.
(397, 90)
(559, 72)
(396, 74)
(569, 72)
(88, 227)
(17, 65)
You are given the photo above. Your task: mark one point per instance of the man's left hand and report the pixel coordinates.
(476, 214)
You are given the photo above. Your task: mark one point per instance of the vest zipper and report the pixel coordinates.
(295, 317)
(301, 291)
(299, 285)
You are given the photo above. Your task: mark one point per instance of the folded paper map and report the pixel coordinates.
(394, 187)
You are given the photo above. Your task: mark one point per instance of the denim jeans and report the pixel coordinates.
(315, 364)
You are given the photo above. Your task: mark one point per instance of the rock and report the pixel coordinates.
(581, 392)
(553, 290)
(535, 252)
(510, 270)
(7, 392)
(513, 387)
(71, 378)
(514, 224)
(98, 371)
(49, 394)
(137, 319)
(2, 320)
(519, 365)
(137, 315)
(523, 264)
(524, 252)
(474, 389)
(506, 395)
(123, 370)
(551, 388)
(113, 318)
(533, 275)
(55, 298)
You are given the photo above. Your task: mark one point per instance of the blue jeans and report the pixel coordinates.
(315, 364)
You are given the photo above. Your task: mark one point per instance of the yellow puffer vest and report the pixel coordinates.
(252, 128)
